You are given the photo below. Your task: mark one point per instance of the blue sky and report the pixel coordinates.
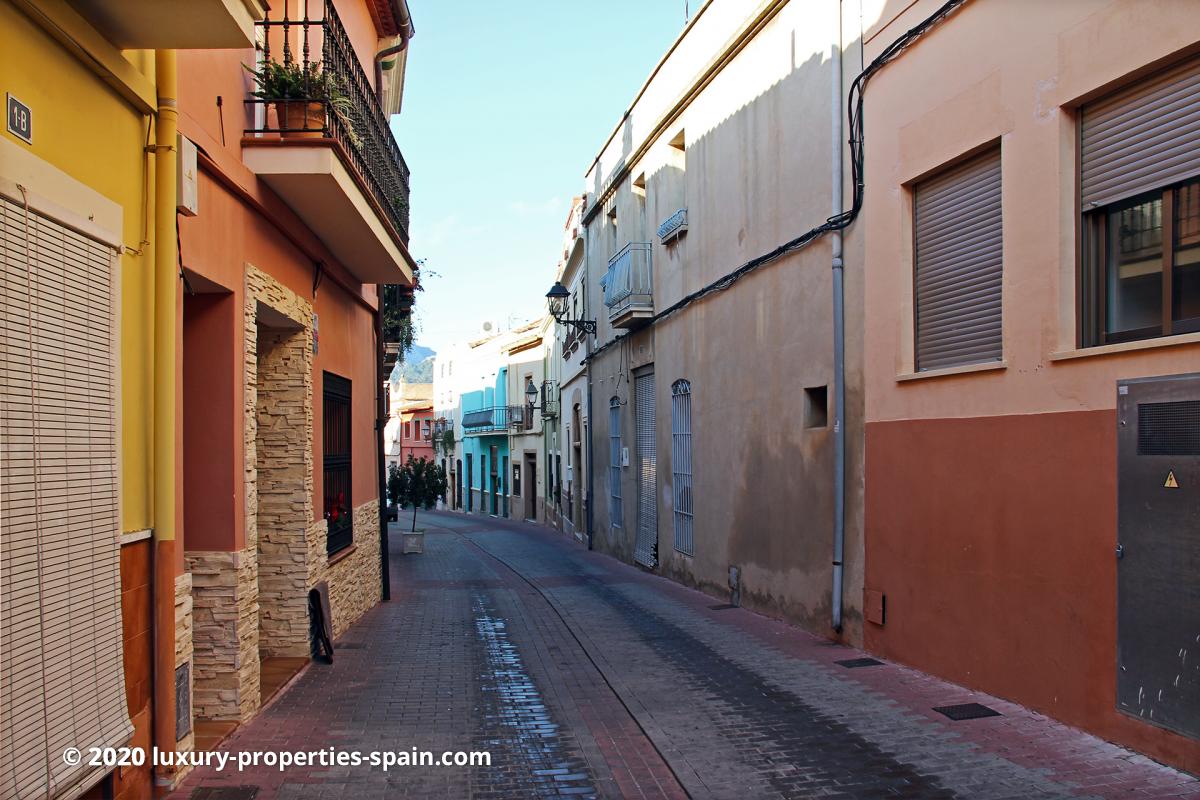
(505, 106)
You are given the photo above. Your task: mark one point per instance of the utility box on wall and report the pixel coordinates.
(1158, 551)
(187, 193)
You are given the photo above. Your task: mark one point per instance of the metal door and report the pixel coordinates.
(646, 543)
(1158, 547)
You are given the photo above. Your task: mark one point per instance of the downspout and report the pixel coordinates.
(406, 31)
(165, 299)
(839, 335)
(590, 472)
(381, 420)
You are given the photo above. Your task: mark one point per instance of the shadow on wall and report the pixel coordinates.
(752, 179)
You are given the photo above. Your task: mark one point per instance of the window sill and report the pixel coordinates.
(1127, 347)
(965, 369)
(344, 553)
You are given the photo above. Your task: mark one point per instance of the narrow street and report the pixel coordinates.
(585, 677)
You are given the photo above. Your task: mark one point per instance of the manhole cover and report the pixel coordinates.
(966, 711)
(225, 793)
(852, 663)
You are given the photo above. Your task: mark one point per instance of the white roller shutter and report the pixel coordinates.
(61, 669)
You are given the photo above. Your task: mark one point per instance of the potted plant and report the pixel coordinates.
(419, 483)
(302, 96)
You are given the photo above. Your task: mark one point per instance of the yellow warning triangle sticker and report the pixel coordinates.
(1171, 482)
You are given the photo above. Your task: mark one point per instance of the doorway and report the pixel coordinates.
(531, 487)
(1158, 585)
(646, 543)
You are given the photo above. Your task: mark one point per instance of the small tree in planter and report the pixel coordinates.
(420, 482)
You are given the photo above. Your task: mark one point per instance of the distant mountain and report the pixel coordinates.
(417, 366)
(418, 353)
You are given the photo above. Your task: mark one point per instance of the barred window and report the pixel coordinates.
(681, 464)
(615, 508)
(336, 440)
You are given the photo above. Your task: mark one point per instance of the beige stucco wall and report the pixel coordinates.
(958, 89)
(755, 173)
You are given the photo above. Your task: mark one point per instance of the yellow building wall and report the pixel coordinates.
(83, 127)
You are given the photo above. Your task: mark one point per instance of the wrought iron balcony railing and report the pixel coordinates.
(629, 286)
(493, 419)
(312, 85)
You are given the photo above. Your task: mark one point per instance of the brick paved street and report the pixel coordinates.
(584, 677)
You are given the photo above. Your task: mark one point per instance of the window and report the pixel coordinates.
(408, 430)
(958, 265)
(339, 512)
(516, 479)
(59, 533)
(1140, 197)
(615, 509)
(681, 464)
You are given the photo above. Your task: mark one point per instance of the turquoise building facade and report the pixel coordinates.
(485, 417)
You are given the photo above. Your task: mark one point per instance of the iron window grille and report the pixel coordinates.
(615, 508)
(336, 447)
(681, 464)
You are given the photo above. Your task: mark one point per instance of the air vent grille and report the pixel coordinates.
(1169, 429)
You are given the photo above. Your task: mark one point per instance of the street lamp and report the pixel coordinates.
(557, 298)
(531, 395)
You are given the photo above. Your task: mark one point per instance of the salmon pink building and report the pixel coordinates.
(1032, 225)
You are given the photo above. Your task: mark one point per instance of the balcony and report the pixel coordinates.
(321, 141)
(174, 24)
(674, 227)
(629, 287)
(482, 421)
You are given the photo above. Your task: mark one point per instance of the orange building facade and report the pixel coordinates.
(296, 225)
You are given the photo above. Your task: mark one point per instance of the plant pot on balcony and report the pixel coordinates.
(300, 119)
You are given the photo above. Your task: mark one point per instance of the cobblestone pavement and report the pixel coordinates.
(585, 677)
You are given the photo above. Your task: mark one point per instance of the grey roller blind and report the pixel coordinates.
(1143, 137)
(61, 669)
(959, 251)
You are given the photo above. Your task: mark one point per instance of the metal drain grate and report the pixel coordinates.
(723, 607)
(224, 793)
(966, 711)
(349, 646)
(852, 663)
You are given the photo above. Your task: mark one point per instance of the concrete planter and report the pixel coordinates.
(413, 541)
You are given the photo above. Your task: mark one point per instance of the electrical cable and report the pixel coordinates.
(837, 222)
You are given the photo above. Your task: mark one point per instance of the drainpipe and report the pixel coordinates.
(404, 23)
(839, 336)
(589, 443)
(381, 420)
(166, 296)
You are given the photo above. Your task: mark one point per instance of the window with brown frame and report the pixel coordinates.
(1142, 266)
(1140, 201)
(336, 437)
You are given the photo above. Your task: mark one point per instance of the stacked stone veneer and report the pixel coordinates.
(253, 603)
(354, 579)
(183, 655)
(225, 634)
(285, 487)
